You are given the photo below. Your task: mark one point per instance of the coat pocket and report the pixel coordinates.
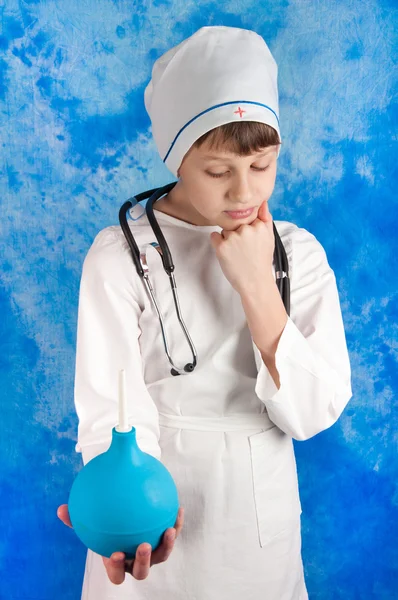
(275, 483)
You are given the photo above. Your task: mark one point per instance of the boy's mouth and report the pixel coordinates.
(239, 214)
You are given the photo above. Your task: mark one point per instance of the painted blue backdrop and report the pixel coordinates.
(76, 142)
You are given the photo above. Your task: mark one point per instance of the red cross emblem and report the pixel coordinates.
(240, 111)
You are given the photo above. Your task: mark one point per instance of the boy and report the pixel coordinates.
(224, 431)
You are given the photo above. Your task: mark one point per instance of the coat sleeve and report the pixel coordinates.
(107, 341)
(312, 357)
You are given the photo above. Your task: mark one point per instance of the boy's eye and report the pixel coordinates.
(215, 174)
(221, 174)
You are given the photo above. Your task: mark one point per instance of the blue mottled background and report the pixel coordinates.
(76, 142)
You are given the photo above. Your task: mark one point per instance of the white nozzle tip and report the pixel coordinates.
(123, 426)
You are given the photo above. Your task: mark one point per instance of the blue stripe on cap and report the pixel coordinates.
(212, 108)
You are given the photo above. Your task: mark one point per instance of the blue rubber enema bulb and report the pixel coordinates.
(122, 498)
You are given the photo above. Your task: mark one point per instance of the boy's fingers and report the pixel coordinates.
(142, 561)
(115, 567)
(63, 514)
(180, 521)
(162, 553)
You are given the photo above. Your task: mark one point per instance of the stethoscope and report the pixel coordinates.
(141, 265)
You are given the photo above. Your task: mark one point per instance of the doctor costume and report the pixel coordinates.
(224, 431)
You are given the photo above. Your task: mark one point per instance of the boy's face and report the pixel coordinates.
(203, 199)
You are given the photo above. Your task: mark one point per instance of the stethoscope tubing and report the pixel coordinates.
(139, 258)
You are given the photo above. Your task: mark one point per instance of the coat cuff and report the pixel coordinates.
(311, 396)
(293, 354)
(289, 344)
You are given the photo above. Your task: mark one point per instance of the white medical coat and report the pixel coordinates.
(224, 431)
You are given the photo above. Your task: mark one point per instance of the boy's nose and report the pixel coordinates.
(240, 194)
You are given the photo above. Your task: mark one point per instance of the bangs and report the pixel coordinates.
(242, 138)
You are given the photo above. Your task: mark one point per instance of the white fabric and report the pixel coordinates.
(224, 431)
(218, 75)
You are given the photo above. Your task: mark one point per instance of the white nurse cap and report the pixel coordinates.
(218, 75)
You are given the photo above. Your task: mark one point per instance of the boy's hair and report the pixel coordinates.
(242, 138)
